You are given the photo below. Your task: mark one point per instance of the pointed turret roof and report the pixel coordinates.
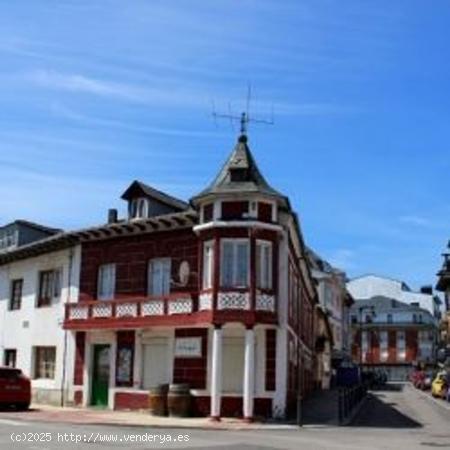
(240, 174)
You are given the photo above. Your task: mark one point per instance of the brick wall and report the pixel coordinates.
(131, 255)
(270, 369)
(234, 210)
(80, 340)
(131, 400)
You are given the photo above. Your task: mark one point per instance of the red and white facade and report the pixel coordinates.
(216, 294)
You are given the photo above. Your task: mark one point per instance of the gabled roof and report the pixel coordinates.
(252, 181)
(138, 188)
(34, 225)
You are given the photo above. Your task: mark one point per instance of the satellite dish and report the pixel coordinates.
(184, 272)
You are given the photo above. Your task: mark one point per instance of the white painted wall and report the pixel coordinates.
(31, 326)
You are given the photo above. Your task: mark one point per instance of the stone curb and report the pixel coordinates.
(134, 421)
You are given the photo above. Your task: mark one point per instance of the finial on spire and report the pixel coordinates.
(244, 122)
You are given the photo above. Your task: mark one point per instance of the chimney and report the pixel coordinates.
(112, 215)
(427, 290)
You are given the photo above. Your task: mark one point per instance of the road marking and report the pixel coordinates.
(12, 422)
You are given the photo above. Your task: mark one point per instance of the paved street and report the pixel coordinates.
(390, 419)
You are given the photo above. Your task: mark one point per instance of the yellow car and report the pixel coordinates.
(439, 386)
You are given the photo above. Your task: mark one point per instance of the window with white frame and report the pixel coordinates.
(264, 264)
(159, 271)
(208, 264)
(235, 259)
(106, 287)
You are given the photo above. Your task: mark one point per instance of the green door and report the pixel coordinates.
(100, 376)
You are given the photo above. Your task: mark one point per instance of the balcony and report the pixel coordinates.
(174, 309)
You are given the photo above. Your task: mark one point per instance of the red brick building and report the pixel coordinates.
(392, 336)
(215, 293)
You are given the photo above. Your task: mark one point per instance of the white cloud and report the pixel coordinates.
(343, 258)
(416, 220)
(76, 83)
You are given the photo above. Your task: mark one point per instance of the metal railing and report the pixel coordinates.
(348, 400)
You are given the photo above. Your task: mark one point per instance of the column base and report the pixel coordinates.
(214, 418)
(248, 419)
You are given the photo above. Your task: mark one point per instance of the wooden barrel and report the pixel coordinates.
(158, 400)
(179, 400)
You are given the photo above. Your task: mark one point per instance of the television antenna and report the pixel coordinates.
(244, 119)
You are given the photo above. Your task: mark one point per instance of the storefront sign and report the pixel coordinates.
(188, 347)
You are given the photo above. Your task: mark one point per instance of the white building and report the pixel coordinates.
(369, 286)
(35, 282)
(334, 299)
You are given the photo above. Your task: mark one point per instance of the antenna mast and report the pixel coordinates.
(244, 119)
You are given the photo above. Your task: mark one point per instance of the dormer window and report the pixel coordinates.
(139, 208)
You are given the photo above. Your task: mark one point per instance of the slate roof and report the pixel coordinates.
(381, 303)
(163, 222)
(36, 226)
(318, 263)
(240, 159)
(138, 187)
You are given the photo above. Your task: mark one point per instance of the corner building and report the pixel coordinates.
(216, 293)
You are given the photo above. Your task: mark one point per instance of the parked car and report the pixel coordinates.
(15, 388)
(428, 380)
(439, 385)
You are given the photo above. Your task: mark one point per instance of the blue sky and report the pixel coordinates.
(95, 94)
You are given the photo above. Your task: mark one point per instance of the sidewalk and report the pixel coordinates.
(321, 408)
(90, 416)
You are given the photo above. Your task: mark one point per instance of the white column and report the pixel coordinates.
(87, 371)
(249, 373)
(216, 373)
(137, 367)
(112, 371)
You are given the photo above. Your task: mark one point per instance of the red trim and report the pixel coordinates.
(216, 275)
(192, 370)
(270, 369)
(125, 341)
(78, 397)
(252, 289)
(80, 340)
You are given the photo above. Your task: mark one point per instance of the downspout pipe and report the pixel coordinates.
(68, 298)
